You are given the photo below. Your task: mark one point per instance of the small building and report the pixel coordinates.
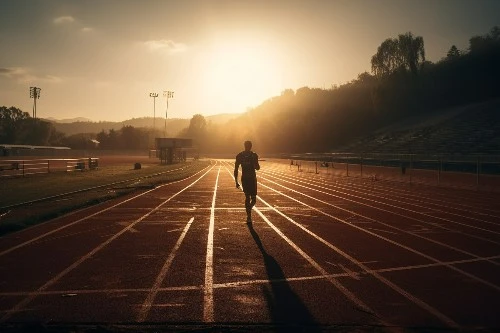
(30, 150)
(170, 150)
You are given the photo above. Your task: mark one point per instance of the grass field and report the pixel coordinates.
(34, 199)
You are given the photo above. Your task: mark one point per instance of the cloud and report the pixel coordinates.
(24, 75)
(164, 45)
(13, 71)
(64, 19)
(87, 29)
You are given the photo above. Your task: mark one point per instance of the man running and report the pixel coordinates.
(249, 162)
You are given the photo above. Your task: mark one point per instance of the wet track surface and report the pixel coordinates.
(322, 253)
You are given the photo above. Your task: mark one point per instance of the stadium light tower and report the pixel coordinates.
(154, 95)
(167, 94)
(35, 94)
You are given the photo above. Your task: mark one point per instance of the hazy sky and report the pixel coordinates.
(100, 59)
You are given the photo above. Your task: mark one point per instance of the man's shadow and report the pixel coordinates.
(286, 308)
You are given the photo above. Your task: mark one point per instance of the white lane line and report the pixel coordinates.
(409, 194)
(49, 283)
(379, 277)
(352, 274)
(387, 204)
(492, 285)
(208, 290)
(174, 230)
(89, 216)
(360, 304)
(326, 185)
(146, 306)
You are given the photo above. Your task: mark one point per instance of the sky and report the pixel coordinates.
(101, 59)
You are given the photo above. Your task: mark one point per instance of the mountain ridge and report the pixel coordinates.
(80, 125)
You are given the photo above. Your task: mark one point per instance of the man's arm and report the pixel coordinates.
(256, 162)
(236, 167)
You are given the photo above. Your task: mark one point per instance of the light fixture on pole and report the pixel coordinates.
(167, 94)
(154, 95)
(35, 94)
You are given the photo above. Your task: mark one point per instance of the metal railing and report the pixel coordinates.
(481, 172)
(25, 167)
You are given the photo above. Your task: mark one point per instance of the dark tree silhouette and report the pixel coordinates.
(453, 53)
(406, 52)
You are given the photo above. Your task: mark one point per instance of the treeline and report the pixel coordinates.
(402, 83)
(17, 127)
(174, 126)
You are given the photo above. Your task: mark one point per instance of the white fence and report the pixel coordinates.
(25, 167)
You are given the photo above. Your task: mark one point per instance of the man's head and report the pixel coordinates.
(248, 145)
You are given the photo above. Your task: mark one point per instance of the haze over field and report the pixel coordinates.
(101, 59)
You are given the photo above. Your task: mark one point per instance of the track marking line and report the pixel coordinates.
(146, 306)
(90, 216)
(415, 198)
(386, 224)
(379, 236)
(243, 283)
(19, 306)
(208, 290)
(379, 277)
(352, 274)
(386, 204)
(432, 200)
(174, 230)
(347, 293)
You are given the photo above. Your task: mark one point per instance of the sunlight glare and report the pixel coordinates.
(240, 75)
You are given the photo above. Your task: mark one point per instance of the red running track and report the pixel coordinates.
(323, 252)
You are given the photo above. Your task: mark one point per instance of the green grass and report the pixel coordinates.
(15, 191)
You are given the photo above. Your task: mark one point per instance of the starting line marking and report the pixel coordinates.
(237, 284)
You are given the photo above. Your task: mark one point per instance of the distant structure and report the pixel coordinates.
(154, 95)
(173, 149)
(168, 95)
(29, 150)
(35, 94)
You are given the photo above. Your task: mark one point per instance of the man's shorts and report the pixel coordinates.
(249, 185)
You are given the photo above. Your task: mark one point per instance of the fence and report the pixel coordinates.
(472, 171)
(21, 168)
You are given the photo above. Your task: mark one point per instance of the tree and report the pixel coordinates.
(407, 52)
(453, 53)
(387, 59)
(197, 125)
(11, 124)
(412, 51)
(482, 44)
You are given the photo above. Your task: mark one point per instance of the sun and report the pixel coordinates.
(241, 75)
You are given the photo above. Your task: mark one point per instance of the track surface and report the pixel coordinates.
(321, 253)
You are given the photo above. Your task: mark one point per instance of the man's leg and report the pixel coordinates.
(248, 207)
(252, 203)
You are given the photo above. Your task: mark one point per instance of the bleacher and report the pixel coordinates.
(475, 129)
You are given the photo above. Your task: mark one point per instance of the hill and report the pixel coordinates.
(471, 129)
(71, 120)
(174, 126)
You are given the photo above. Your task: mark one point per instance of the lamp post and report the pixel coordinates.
(167, 94)
(35, 94)
(154, 95)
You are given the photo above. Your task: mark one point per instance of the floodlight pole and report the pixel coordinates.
(35, 94)
(167, 94)
(154, 95)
